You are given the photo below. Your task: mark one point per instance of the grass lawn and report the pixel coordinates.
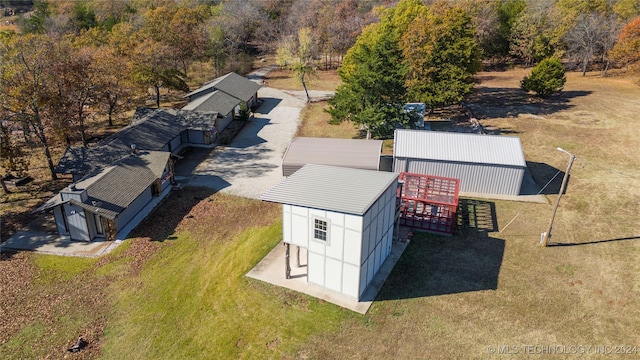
(177, 288)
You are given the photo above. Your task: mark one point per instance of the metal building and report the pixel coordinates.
(352, 153)
(485, 164)
(344, 218)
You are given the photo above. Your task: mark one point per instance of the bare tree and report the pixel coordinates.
(593, 36)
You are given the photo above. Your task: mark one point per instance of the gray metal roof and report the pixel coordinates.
(339, 189)
(458, 147)
(217, 101)
(232, 84)
(354, 153)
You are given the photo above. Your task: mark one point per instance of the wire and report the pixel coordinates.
(547, 184)
(609, 169)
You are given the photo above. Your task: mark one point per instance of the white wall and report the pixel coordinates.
(356, 246)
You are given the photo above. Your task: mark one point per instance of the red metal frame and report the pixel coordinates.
(428, 202)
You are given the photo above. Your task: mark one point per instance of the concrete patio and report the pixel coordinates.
(271, 269)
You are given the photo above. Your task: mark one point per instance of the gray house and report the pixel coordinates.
(485, 164)
(352, 153)
(231, 84)
(150, 129)
(99, 206)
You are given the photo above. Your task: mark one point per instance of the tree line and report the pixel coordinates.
(74, 60)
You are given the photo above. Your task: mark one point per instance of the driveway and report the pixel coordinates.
(251, 164)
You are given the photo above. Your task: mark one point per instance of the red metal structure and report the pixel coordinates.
(428, 202)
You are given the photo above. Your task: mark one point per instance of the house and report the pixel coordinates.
(217, 101)
(150, 129)
(230, 84)
(344, 218)
(353, 153)
(99, 206)
(485, 164)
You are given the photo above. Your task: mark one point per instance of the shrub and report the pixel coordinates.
(546, 78)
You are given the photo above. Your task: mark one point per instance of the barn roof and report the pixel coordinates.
(459, 147)
(353, 153)
(339, 189)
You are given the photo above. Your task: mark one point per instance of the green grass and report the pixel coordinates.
(54, 268)
(196, 300)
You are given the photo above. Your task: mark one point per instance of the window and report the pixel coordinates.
(320, 229)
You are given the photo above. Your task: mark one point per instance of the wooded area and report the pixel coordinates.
(65, 64)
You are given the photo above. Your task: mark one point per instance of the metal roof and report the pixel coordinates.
(458, 147)
(359, 154)
(339, 189)
(233, 84)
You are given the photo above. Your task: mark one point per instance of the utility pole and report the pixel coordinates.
(547, 235)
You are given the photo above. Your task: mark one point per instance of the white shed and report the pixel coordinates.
(485, 164)
(344, 217)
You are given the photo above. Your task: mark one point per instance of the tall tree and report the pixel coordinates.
(591, 36)
(298, 57)
(627, 48)
(441, 53)
(373, 77)
(23, 82)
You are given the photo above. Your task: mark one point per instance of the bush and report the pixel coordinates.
(546, 78)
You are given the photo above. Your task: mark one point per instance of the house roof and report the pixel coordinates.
(353, 153)
(215, 101)
(233, 84)
(150, 129)
(459, 147)
(333, 188)
(115, 188)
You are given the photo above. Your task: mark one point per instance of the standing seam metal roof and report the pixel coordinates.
(360, 154)
(344, 190)
(459, 147)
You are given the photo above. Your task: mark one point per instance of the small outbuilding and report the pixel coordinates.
(344, 217)
(485, 164)
(352, 153)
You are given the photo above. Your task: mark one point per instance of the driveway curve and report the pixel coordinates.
(251, 163)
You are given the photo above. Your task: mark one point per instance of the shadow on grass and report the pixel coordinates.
(437, 265)
(510, 102)
(161, 224)
(545, 174)
(596, 242)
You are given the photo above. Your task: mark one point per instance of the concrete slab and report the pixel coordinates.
(271, 269)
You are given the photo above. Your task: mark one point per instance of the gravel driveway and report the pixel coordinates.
(251, 164)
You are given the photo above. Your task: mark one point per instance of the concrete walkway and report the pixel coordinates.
(35, 238)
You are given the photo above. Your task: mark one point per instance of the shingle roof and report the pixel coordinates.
(215, 101)
(115, 188)
(333, 188)
(459, 147)
(232, 84)
(150, 129)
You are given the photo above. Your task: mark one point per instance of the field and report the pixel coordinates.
(177, 288)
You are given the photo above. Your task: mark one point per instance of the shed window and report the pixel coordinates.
(320, 229)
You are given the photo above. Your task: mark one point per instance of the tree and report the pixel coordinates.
(12, 158)
(591, 36)
(373, 78)
(535, 35)
(441, 54)
(546, 78)
(627, 48)
(298, 57)
(23, 83)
